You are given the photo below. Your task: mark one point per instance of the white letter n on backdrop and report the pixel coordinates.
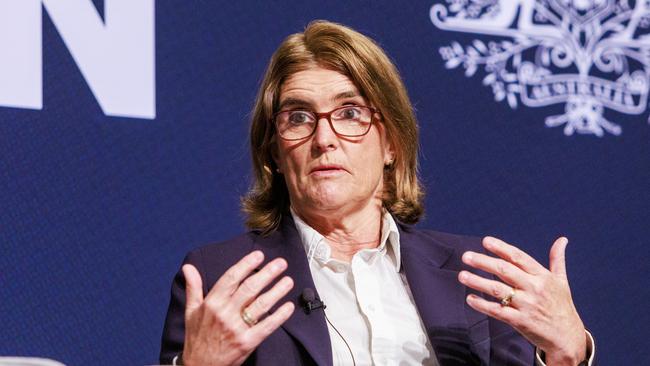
(116, 56)
(21, 81)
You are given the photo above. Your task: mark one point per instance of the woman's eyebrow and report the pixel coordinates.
(293, 102)
(346, 95)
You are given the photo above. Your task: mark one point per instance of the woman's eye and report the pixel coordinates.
(350, 113)
(299, 117)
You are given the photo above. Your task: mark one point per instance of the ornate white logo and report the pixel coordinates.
(591, 55)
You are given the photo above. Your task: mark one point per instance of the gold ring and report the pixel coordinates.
(247, 318)
(508, 299)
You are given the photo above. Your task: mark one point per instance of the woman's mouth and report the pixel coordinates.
(327, 170)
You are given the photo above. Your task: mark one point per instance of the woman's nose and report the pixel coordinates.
(324, 136)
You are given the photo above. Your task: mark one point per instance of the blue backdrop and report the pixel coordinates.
(97, 211)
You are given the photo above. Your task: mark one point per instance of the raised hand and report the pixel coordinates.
(534, 300)
(226, 326)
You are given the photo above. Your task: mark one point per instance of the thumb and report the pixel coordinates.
(193, 288)
(557, 258)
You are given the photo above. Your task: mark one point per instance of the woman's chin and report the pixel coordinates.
(332, 201)
(330, 198)
(329, 204)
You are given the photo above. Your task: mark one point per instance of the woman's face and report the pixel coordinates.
(326, 173)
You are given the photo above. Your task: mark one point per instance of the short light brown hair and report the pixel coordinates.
(342, 49)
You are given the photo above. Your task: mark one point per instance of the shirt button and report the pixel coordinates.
(320, 252)
(371, 308)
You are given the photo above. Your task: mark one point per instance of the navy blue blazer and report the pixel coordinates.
(431, 262)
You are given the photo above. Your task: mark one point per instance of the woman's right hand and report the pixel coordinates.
(215, 331)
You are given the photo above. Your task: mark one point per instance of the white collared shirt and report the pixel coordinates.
(368, 301)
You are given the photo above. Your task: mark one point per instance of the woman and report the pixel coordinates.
(334, 147)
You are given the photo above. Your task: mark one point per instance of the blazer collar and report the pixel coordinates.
(309, 329)
(431, 268)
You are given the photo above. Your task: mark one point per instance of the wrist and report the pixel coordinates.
(568, 359)
(572, 356)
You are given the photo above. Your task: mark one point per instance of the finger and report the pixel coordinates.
(513, 255)
(506, 271)
(193, 288)
(506, 314)
(557, 256)
(267, 326)
(260, 306)
(496, 289)
(252, 286)
(230, 280)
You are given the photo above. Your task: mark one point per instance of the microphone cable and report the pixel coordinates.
(310, 302)
(340, 335)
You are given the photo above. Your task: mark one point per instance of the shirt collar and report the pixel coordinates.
(317, 248)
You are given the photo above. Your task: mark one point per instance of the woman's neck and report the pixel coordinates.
(347, 233)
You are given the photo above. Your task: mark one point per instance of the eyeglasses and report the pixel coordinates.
(347, 121)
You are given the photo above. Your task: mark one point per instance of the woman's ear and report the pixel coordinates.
(389, 153)
(389, 158)
(276, 157)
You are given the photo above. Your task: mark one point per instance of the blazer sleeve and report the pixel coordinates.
(173, 336)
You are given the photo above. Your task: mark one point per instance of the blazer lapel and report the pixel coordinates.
(309, 329)
(439, 297)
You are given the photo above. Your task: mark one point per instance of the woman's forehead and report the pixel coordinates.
(315, 79)
(318, 83)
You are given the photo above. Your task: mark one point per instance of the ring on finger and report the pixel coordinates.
(248, 318)
(505, 301)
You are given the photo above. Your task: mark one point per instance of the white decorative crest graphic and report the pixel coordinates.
(590, 55)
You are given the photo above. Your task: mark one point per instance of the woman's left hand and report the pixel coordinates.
(540, 308)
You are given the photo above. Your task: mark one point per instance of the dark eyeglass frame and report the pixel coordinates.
(328, 117)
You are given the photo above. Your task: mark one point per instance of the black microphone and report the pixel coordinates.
(309, 301)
